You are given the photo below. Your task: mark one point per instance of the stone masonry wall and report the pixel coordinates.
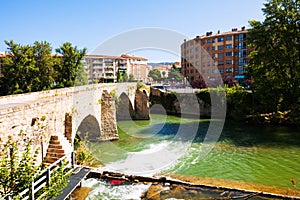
(179, 103)
(56, 112)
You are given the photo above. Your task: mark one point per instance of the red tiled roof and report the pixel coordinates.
(104, 56)
(133, 57)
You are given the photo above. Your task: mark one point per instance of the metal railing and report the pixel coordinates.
(43, 179)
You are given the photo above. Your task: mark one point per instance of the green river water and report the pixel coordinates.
(255, 154)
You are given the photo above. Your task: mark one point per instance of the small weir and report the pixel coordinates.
(106, 185)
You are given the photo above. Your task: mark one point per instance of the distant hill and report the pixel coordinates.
(161, 63)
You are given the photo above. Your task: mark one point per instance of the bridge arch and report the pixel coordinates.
(124, 108)
(89, 129)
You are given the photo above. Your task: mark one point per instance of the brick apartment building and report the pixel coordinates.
(206, 56)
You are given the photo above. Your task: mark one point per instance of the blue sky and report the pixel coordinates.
(89, 23)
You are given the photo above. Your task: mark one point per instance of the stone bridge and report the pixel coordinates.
(52, 118)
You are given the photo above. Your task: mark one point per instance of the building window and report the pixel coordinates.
(213, 55)
(197, 56)
(228, 62)
(221, 70)
(191, 57)
(236, 54)
(208, 71)
(197, 63)
(220, 39)
(228, 54)
(197, 49)
(192, 50)
(220, 63)
(191, 71)
(215, 71)
(213, 48)
(203, 42)
(191, 43)
(213, 40)
(228, 38)
(208, 48)
(220, 55)
(208, 41)
(220, 47)
(208, 64)
(228, 70)
(203, 71)
(228, 46)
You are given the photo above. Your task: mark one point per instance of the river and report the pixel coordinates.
(259, 154)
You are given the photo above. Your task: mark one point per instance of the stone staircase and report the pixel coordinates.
(58, 147)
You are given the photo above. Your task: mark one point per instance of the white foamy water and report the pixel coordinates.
(104, 191)
(151, 160)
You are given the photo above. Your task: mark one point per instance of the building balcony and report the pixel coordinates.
(122, 67)
(109, 71)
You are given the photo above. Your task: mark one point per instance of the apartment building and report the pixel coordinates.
(101, 68)
(104, 68)
(137, 66)
(224, 53)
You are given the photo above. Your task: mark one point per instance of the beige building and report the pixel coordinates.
(136, 66)
(104, 68)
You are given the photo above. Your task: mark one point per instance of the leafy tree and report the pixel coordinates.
(131, 78)
(155, 74)
(69, 66)
(119, 76)
(16, 170)
(198, 83)
(20, 70)
(125, 77)
(44, 64)
(275, 62)
(175, 75)
(28, 68)
(82, 76)
(164, 74)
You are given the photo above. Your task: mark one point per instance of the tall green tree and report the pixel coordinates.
(19, 69)
(70, 62)
(275, 61)
(175, 75)
(44, 63)
(131, 78)
(82, 76)
(28, 68)
(125, 77)
(155, 74)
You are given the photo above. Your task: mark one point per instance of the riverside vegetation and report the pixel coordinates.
(18, 169)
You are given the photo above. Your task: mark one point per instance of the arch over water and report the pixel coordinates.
(124, 108)
(89, 129)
